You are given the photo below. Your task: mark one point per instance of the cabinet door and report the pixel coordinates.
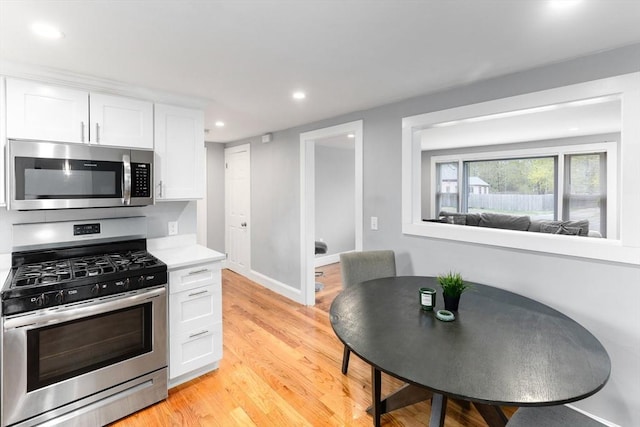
(120, 121)
(53, 113)
(179, 149)
(3, 139)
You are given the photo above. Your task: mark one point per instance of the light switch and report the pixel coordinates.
(374, 222)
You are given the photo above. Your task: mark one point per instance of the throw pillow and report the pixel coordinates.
(553, 227)
(508, 222)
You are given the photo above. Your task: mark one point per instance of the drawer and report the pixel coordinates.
(194, 308)
(195, 350)
(183, 279)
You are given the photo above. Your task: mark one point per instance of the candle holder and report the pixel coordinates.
(427, 298)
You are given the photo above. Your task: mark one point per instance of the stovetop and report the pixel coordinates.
(47, 278)
(56, 271)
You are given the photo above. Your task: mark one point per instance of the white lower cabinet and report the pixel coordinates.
(195, 321)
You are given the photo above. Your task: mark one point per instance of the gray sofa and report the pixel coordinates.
(520, 223)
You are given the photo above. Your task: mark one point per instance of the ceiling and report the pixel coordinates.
(244, 58)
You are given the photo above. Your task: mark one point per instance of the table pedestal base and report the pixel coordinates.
(410, 394)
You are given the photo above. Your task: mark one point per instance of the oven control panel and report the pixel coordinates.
(82, 229)
(53, 298)
(140, 180)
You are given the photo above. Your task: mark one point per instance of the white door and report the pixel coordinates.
(120, 121)
(50, 113)
(237, 208)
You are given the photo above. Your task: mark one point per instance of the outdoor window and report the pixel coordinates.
(564, 185)
(447, 192)
(585, 192)
(513, 186)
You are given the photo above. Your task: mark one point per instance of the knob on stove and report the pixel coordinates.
(60, 297)
(141, 281)
(95, 289)
(42, 300)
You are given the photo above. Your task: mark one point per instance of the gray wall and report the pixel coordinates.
(580, 288)
(157, 218)
(275, 206)
(335, 197)
(215, 196)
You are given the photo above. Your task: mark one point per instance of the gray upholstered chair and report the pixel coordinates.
(358, 267)
(550, 416)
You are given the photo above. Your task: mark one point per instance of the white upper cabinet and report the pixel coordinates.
(53, 113)
(116, 120)
(180, 154)
(3, 139)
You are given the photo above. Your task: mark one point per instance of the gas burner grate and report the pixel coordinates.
(42, 273)
(49, 272)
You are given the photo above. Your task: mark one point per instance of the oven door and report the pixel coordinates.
(58, 356)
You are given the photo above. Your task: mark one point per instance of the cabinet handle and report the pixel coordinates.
(197, 334)
(81, 131)
(98, 133)
(160, 185)
(203, 270)
(199, 293)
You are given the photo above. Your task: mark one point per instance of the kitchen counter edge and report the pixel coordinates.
(184, 254)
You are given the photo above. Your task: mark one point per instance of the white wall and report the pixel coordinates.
(215, 196)
(586, 290)
(335, 197)
(157, 215)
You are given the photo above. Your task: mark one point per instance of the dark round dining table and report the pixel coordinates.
(502, 349)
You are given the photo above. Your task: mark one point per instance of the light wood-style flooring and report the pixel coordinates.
(281, 367)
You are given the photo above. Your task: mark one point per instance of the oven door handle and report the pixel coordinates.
(126, 180)
(63, 314)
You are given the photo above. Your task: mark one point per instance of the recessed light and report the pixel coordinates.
(299, 95)
(351, 136)
(46, 31)
(573, 129)
(219, 124)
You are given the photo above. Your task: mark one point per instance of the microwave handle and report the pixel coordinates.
(126, 180)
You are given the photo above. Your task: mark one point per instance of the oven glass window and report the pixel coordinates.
(67, 179)
(59, 352)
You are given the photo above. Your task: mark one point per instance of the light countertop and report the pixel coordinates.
(182, 251)
(5, 267)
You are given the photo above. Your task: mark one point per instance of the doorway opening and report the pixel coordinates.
(322, 144)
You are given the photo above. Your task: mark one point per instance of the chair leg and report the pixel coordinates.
(345, 359)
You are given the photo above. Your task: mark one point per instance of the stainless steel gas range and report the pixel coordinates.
(84, 324)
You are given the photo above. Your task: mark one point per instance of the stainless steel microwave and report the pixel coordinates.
(51, 175)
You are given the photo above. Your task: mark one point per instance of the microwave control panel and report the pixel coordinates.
(141, 180)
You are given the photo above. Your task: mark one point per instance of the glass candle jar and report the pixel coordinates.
(427, 298)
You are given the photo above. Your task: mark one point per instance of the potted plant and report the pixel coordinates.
(452, 287)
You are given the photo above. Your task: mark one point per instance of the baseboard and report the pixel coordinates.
(277, 287)
(193, 374)
(598, 419)
(321, 261)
